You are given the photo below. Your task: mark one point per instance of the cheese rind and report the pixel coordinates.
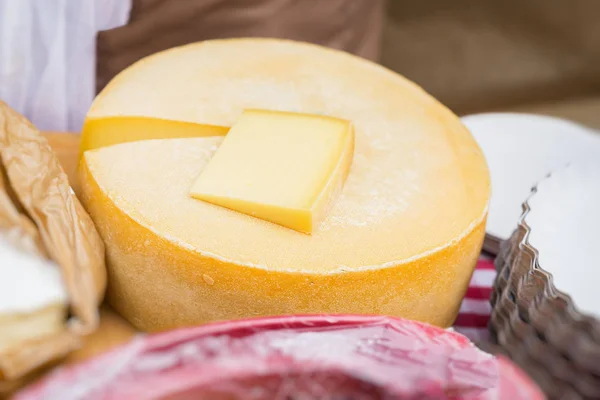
(401, 239)
(154, 277)
(110, 130)
(285, 168)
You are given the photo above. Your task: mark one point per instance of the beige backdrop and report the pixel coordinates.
(477, 55)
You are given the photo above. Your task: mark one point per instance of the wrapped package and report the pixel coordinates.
(51, 257)
(294, 357)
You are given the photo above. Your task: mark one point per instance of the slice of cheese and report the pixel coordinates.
(402, 238)
(282, 167)
(109, 130)
(33, 299)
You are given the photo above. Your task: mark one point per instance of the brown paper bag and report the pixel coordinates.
(40, 213)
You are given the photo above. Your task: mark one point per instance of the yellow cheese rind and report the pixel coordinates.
(285, 168)
(108, 131)
(402, 238)
(154, 280)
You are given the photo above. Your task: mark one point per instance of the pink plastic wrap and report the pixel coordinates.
(305, 357)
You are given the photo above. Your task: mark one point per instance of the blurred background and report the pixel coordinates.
(539, 56)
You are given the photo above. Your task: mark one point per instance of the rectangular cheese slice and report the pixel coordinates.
(286, 168)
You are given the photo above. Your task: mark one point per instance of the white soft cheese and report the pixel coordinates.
(27, 282)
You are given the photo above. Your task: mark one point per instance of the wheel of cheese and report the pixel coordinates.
(402, 238)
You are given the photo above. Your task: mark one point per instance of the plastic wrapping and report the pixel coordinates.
(39, 213)
(295, 357)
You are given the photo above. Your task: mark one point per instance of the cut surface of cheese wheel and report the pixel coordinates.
(106, 131)
(402, 238)
(286, 168)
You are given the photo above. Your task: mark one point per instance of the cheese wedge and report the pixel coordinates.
(402, 238)
(109, 130)
(285, 168)
(33, 299)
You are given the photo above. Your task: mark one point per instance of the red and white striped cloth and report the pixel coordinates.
(475, 310)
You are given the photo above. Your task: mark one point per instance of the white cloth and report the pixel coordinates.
(48, 56)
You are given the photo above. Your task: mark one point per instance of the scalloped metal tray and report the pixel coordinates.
(539, 326)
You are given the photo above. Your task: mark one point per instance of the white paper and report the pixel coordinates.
(48, 56)
(565, 230)
(521, 149)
